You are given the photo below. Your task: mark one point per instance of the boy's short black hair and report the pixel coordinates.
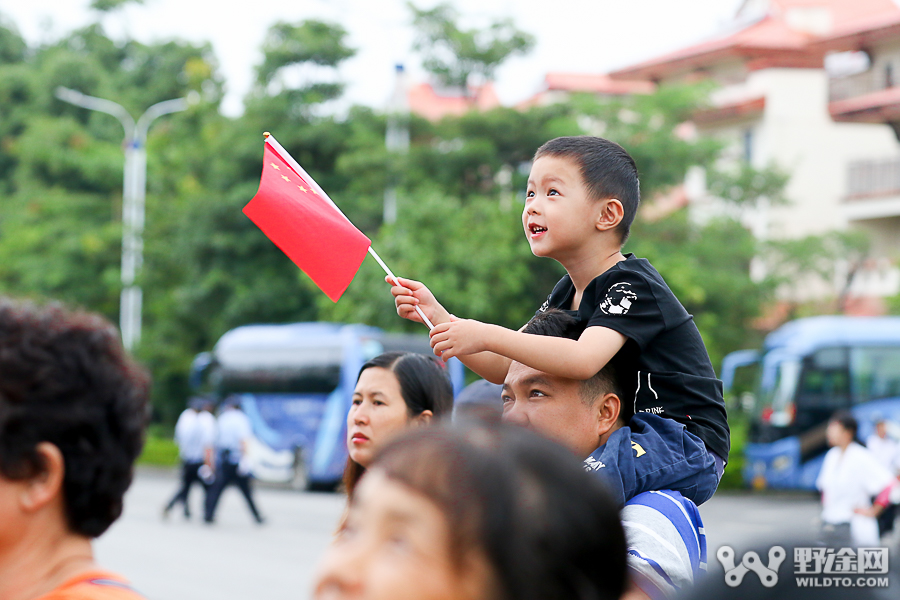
(556, 323)
(607, 169)
(65, 379)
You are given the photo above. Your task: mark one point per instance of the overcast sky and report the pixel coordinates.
(592, 36)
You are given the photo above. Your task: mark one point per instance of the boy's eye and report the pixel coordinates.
(357, 401)
(378, 402)
(506, 399)
(538, 393)
(553, 192)
(529, 194)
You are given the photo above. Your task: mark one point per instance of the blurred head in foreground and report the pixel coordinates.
(73, 407)
(476, 513)
(394, 391)
(479, 401)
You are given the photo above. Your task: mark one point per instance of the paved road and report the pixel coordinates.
(231, 560)
(238, 560)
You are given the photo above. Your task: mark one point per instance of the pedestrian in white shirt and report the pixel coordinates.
(195, 434)
(883, 447)
(234, 433)
(851, 476)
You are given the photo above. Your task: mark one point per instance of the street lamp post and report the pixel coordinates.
(134, 189)
(396, 137)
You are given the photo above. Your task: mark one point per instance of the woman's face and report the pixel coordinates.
(396, 546)
(837, 435)
(377, 414)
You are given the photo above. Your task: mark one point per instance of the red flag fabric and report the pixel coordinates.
(307, 227)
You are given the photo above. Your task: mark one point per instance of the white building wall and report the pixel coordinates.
(797, 133)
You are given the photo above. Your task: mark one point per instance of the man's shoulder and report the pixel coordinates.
(670, 504)
(666, 541)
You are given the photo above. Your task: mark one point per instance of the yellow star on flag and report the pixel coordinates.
(276, 167)
(302, 189)
(285, 177)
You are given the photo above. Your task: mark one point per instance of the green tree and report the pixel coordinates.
(105, 6)
(457, 56)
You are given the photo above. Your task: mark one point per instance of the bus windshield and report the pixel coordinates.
(777, 391)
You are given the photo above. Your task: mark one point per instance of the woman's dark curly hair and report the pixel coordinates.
(65, 379)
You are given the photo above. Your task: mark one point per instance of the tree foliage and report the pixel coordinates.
(455, 55)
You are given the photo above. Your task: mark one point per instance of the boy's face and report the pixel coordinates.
(560, 216)
(551, 407)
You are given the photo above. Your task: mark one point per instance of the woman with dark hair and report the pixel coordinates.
(394, 391)
(850, 477)
(480, 513)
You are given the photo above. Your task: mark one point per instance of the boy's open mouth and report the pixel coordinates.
(536, 229)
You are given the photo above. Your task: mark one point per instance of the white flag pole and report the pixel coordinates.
(392, 276)
(270, 139)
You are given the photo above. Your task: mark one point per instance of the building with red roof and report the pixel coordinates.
(809, 86)
(434, 103)
(559, 86)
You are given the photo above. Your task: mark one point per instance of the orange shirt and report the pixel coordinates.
(94, 585)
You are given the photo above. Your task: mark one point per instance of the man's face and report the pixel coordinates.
(552, 407)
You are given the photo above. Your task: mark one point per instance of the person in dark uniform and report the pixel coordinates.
(233, 467)
(195, 434)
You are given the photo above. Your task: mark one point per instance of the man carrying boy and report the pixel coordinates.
(664, 531)
(582, 196)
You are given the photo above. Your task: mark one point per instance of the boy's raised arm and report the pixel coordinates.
(411, 293)
(574, 359)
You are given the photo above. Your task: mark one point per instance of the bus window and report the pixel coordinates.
(876, 373)
(776, 393)
(824, 383)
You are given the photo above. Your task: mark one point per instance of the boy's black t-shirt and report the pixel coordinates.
(664, 365)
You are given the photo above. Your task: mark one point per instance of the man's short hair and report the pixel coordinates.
(65, 379)
(607, 169)
(556, 323)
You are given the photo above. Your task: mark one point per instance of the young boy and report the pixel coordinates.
(582, 197)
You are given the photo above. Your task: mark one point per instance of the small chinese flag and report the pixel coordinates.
(307, 227)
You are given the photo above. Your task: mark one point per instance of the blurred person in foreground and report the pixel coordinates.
(394, 390)
(850, 477)
(73, 409)
(233, 465)
(195, 434)
(480, 401)
(476, 513)
(664, 531)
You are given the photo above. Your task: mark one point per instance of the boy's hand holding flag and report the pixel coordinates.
(299, 217)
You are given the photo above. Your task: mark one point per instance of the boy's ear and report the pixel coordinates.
(611, 214)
